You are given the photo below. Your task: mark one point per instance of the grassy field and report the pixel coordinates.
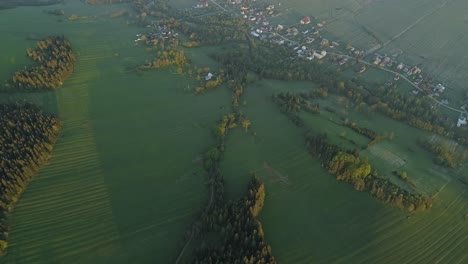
(312, 218)
(124, 183)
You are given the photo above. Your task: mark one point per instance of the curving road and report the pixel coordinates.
(384, 69)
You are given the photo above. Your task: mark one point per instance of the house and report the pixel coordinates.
(335, 44)
(320, 55)
(300, 53)
(358, 53)
(278, 41)
(439, 88)
(461, 121)
(305, 20)
(362, 69)
(414, 70)
(279, 27)
(324, 43)
(255, 34)
(385, 61)
(202, 4)
(209, 76)
(343, 61)
(309, 40)
(400, 66)
(377, 59)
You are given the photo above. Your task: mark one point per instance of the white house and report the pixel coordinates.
(255, 34)
(209, 76)
(320, 55)
(461, 121)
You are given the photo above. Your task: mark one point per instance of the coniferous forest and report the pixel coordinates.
(27, 134)
(26, 142)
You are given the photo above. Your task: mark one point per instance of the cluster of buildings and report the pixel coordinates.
(298, 38)
(302, 36)
(414, 74)
(201, 4)
(161, 33)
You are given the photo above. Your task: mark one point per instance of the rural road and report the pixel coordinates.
(384, 69)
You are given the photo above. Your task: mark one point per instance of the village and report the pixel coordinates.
(306, 41)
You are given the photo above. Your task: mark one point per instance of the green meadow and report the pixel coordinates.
(125, 182)
(309, 217)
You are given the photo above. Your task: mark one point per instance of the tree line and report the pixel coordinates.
(27, 137)
(239, 235)
(445, 156)
(367, 132)
(346, 165)
(54, 63)
(278, 62)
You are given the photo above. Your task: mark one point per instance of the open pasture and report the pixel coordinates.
(124, 184)
(313, 218)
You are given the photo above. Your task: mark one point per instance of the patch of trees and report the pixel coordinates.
(444, 155)
(273, 61)
(213, 83)
(215, 29)
(278, 62)
(367, 132)
(191, 44)
(241, 237)
(162, 7)
(228, 122)
(170, 58)
(54, 63)
(347, 166)
(289, 102)
(418, 112)
(168, 53)
(26, 140)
